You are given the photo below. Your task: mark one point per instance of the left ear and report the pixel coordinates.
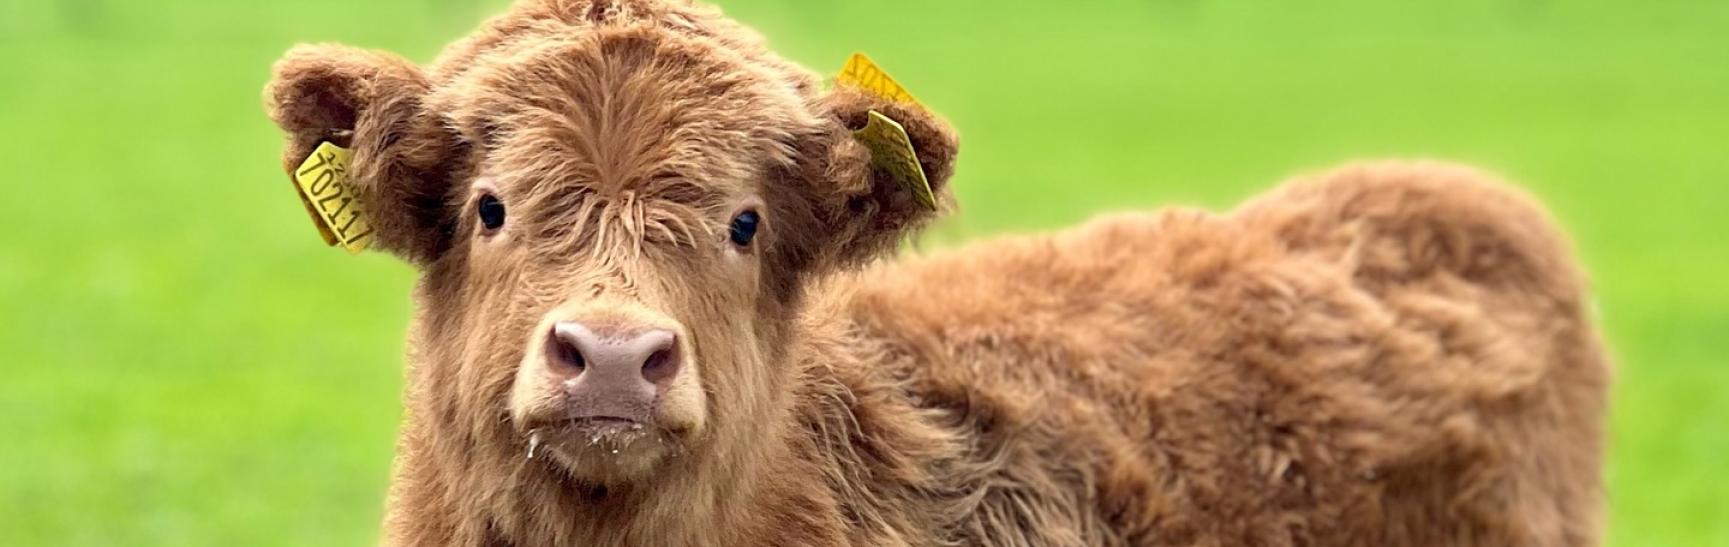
(371, 103)
(862, 211)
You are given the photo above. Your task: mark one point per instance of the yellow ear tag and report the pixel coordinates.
(891, 150)
(323, 184)
(860, 71)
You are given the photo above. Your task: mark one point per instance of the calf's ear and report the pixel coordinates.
(371, 103)
(864, 207)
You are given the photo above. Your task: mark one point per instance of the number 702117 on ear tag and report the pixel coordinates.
(323, 183)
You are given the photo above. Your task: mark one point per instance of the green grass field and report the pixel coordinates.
(185, 364)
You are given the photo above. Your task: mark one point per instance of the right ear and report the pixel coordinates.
(371, 103)
(856, 211)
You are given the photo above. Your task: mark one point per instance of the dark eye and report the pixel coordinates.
(491, 212)
(744, 228)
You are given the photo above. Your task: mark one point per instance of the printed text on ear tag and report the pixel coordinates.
(892, 152)
(323, 184)
(861, 72)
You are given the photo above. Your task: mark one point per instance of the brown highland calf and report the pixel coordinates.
(650, 314)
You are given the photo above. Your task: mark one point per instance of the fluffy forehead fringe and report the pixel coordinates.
(634, 127)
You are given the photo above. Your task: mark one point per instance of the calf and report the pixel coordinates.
(651, 313)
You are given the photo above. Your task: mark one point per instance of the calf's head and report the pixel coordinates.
(615, 207)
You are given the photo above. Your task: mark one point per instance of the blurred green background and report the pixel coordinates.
(186, 364)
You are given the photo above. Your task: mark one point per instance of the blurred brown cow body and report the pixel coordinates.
(651, 313)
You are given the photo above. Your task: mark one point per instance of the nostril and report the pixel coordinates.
(564, 350)
(572, 356)
(659, 365)
(657, 352)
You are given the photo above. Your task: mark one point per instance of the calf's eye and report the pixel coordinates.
(491, 212)
(743, 228)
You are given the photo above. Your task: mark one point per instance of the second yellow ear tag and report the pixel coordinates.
(861, 71)
(323, 184)
(891, 150)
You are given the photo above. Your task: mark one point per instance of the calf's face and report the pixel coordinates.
(613, 234)
(614, 228)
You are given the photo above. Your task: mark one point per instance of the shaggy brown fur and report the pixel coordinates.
(1388, 354)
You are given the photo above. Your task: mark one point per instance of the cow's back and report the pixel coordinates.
(1391, 354)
